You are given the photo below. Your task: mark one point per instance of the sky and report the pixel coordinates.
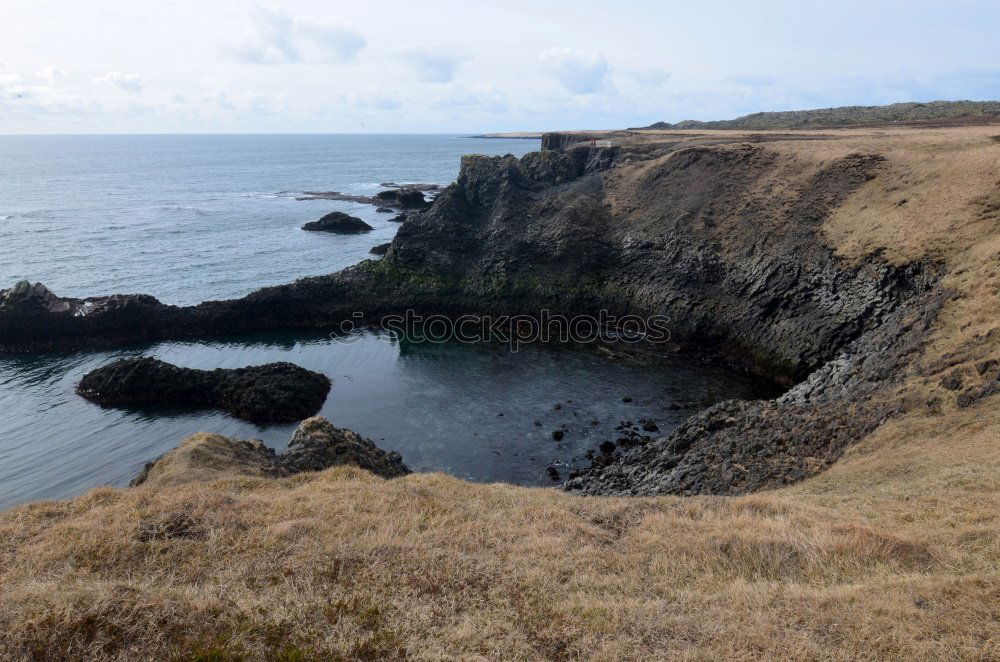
(326, 66)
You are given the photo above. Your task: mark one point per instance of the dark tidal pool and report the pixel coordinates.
(477, 411)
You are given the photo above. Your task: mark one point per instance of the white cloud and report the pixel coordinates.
(376, 98)
(276, 37)
(433, 65)
(216, 95)
(11, 83)
(335, 38)
(649, 77)
(50, 73)
(485, 97)
(580, 72)
(127, 82)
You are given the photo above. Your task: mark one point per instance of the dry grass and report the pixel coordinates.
(343, 565)
(894, 553)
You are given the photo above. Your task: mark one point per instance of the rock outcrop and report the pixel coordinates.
(399, 196)
(380, 249)
(272, 393)
(403, 198)
(339, 223)
(316, 445)
(27, 297)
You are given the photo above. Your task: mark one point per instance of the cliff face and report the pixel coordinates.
(726, 240)
(700, 235)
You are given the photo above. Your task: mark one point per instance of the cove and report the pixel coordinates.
(476, 411)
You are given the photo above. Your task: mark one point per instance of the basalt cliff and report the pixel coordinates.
(726, 235)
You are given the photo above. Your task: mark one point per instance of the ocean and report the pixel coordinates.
(190, 218)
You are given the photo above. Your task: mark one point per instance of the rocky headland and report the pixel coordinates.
(272, 393)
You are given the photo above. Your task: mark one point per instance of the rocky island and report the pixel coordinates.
(338, 222)
(272, 393)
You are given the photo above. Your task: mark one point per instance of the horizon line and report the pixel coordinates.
(469, 134)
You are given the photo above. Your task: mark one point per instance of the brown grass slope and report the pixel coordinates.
(975, 112)
(893, 553)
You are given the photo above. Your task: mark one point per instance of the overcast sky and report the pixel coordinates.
(110, 66)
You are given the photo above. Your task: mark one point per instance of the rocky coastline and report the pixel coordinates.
(723, 238)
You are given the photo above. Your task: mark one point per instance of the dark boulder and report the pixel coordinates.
(383, 210)
(403, 198)
(399, 218)
(272, 393)
(381, 249)
(317, 445)
(25, 296)
(339, 223)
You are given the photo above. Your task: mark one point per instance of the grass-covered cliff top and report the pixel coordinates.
(850, 116)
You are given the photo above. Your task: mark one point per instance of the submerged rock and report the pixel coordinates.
(272, 393)
(340, 223)
(316, 445)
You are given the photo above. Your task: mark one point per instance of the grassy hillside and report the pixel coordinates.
(849, 116)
